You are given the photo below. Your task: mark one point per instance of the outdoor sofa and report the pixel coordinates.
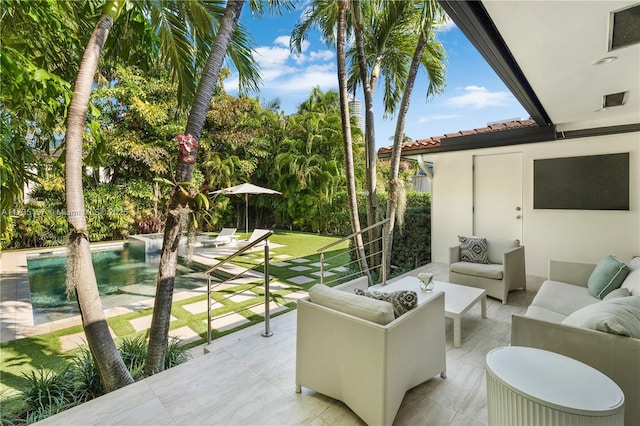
(368, 364)
(498, 265)
(564, 317)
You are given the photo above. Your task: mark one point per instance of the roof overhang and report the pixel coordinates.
(474, 21)
(554, 58)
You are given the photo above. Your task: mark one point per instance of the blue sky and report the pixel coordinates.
(473, 97)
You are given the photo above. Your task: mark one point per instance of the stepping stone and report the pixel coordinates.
(318, 264)
(300, 279)
(185, 334)
(296, 295)
(300, 268)
(340, 269)
(283, 256)
(144, 323)
(273, 308)
(319, 274)
(228, 321)
(242, 297)
(200, 307)
(278, 286)
(281, 264)
(74, 341)
(300, 260)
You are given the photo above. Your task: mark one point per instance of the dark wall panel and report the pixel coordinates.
(595, 182)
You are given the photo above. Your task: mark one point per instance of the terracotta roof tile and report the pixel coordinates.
(435, 141)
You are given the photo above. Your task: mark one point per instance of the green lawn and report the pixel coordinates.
(45, 351)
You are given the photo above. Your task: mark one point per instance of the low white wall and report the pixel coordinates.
(584, 235)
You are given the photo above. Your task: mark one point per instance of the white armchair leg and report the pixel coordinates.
(298, 389)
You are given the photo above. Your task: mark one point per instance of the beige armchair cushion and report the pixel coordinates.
(378, 311)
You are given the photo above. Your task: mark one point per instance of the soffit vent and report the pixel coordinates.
(614, 99)
(624, 27)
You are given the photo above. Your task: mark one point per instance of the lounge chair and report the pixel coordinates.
(225, 236)
(256, 234)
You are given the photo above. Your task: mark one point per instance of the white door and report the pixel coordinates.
(497, 196)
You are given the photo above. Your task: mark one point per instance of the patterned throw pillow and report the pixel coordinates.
(474, 250)
(402, 301)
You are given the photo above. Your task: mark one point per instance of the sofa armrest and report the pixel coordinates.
(514, 269)
(576, 273)
(454, 254)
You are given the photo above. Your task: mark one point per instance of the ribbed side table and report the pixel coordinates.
(528, 386)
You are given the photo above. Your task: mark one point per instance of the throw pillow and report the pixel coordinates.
(618, 292)
(617, 316)
(402, 301)
(474, 250)
(607, 276)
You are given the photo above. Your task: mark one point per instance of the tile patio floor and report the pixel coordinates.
(247, 379)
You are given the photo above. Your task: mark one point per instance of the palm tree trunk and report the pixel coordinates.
(369, 138)
(346, 136)
(397, 143)
(81, 278)
(180, 204)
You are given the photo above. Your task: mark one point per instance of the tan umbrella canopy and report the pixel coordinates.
(246, 189)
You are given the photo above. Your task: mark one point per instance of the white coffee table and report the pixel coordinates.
(458, 299)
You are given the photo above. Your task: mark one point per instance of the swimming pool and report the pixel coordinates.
(124, 275)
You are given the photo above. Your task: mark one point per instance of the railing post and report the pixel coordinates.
(209, 310)
(322, 268)
(383, 271)
(267, 331)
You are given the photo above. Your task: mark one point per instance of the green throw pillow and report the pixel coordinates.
(607, 276)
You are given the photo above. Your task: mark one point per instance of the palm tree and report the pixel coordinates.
(184, 195)
(343, 5)
(429, 53)
(81, 276)
(382, 54)
(324, 15)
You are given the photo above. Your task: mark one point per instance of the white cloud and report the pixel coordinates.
(282, 40)
(480, 97)
(447, 26)
(285, 74)
(269, 57)
(437, 117)
(322, 55)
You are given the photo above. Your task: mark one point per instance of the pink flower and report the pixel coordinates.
(188, 146)
(404, 165)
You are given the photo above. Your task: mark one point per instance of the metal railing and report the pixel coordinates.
(374, 248)
(264, 238)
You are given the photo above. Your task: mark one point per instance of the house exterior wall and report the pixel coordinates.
(583, 235)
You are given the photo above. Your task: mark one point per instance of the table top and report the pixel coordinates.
(554, 379)
(457, 298)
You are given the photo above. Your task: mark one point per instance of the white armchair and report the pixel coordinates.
(504, 272)
(368, 366)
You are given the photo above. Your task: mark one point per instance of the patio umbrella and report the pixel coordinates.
(246, 189)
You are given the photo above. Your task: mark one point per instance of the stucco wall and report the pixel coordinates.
(582, 235)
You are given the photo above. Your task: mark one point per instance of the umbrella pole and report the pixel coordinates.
(246, 212)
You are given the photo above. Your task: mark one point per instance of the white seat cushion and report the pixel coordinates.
(374, 310)
(563, 298)
(488, 270)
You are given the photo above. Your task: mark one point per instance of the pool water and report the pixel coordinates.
(118, 272)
